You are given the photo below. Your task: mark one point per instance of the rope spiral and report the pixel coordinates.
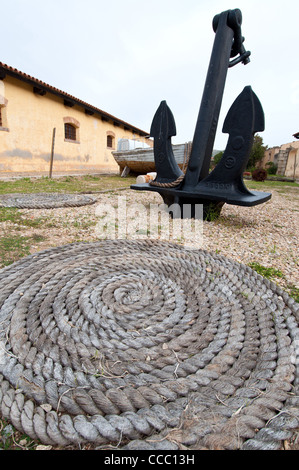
(45, 200)
(145, 344)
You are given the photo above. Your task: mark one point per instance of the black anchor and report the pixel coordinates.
(225, 183)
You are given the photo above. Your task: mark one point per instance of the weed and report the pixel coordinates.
(38, 238)
(269, 273)
(10, 214)
(294, 292)
(83, 223)
(211, 211)
(10, 438)
(13, 248)
(245, 295)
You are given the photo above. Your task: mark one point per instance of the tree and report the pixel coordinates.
(217, 158)
(257, 151)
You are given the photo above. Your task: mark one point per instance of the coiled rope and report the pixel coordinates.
(45, 200)
(144, 345)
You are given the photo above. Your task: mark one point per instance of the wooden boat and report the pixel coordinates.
(141, 160)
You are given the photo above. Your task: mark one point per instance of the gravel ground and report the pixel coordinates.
(266, 234)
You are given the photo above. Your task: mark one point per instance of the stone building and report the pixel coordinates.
(286, 157)
(288, 162)
(38, 121)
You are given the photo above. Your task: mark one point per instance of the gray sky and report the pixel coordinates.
(126, 56)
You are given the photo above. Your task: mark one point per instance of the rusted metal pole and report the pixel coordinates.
(52, 153)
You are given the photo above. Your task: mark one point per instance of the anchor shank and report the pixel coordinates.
(208, 116)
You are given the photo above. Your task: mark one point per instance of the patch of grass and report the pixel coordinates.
(272, 273)
(10, 214)
(36, 238)
(84, 223)
(269, 273)
(268, 185)
(294, 292)
(88, 183)
(13, 248)
(66, 184)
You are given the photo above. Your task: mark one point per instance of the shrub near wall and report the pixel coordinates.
(259, 175)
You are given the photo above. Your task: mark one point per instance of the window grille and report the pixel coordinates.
(109, 141)
(69, 132)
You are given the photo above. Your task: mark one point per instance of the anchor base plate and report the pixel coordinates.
(235, 197)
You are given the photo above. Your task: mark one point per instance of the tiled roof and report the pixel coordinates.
(6, 69)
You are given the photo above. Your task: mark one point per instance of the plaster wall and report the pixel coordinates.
(26, 134)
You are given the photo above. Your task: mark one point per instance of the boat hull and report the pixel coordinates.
(142, 161)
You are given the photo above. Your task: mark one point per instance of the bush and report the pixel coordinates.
(271, 168)
(259, 175)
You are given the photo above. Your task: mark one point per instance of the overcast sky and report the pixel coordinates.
(126, 56)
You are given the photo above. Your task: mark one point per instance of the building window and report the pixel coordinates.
(71, 129)
(69, 132)
(3, 114)
(3, 119)
(110, 140)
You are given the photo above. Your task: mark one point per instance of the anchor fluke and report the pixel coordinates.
(163, 123)
(162, 129)
(244, 118)
(246, 113)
